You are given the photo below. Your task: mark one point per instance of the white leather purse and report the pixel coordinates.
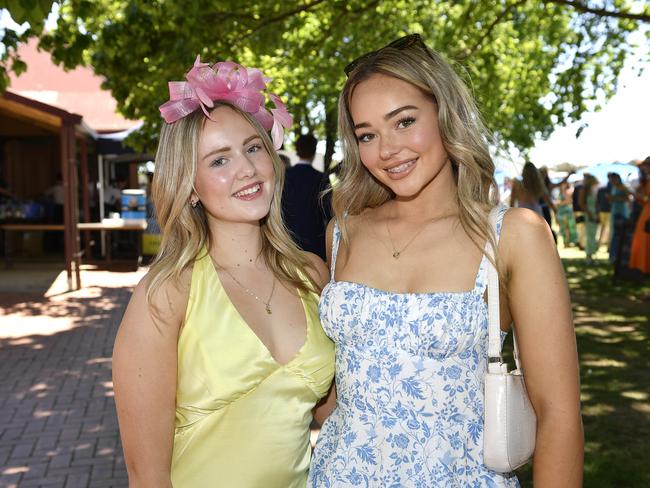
(510, 422)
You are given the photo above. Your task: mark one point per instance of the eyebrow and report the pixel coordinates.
(388, 116)
(228, 148)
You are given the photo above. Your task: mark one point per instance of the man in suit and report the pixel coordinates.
(305, 213)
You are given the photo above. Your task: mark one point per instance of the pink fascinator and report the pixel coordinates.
(227, 81)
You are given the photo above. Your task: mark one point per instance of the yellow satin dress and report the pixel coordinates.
(242, 418)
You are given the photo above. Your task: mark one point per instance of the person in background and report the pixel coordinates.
(113, 197)
(405, 305)
(565, 218)
(619, 199)
(306, 209)
(545, 200)
(604, 208)
(220, 358)
(640, 250)
(578, 212)
(590, 212)
(528, 191)
(55, 194)
(285, 159)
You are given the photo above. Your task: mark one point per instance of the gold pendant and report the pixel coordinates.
(396, 254)
(268, 309)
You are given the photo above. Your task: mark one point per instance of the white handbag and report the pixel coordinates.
(510, 422)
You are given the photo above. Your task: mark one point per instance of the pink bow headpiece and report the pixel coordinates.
(231, 82)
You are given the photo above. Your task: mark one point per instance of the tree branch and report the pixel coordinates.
(468, 52)
(282, 16)
(580, 7)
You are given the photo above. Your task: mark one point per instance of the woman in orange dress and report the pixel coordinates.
(640, 252)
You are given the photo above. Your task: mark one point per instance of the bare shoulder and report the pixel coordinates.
(318, 270)
(524, 234)
(166, 307)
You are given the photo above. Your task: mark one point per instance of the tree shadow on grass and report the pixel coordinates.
(612, 323)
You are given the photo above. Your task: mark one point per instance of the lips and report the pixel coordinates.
(401, 170)
(249, 191)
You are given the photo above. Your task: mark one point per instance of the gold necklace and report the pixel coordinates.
(266, 303)
(398, 252)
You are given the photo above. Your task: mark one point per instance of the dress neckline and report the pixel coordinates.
(473, 291)
(244, 324)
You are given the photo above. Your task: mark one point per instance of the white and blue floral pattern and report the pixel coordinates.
(409, 379)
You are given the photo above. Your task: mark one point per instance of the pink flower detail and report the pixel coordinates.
(231, 82)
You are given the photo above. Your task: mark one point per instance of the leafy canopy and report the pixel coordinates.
(531, 65)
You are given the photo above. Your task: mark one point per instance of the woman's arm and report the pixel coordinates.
(324, 408)
(541, 310)
(144, 380)
(321, 275)
(549, 203)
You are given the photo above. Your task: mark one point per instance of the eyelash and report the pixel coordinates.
(218, 162)
(251, 150)
(405, 122)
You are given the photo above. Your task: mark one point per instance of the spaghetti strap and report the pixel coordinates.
(497, 213)
(336, 239)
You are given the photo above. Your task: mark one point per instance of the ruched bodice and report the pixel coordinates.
(242, 418)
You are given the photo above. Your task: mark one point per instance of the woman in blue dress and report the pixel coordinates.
(406, 301)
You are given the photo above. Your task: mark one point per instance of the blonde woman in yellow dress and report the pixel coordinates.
(220, 358)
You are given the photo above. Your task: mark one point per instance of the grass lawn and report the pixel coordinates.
(612, 322)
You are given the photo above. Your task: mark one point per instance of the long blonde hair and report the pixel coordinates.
(532, 181)
(184, 229)
(464, 136)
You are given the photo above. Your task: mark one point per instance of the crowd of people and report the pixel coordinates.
(590, 214)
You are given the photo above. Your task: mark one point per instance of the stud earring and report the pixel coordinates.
(194, 203)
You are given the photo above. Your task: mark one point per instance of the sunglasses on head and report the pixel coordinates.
(399, 44)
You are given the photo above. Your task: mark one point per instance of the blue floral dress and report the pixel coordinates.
(409, 379)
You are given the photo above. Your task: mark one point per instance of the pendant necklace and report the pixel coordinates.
(398, 252)
(267, 303)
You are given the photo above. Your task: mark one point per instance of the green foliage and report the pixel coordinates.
(531, 65)
(33, 12)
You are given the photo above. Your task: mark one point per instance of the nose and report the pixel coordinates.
(246, 168)
(387, 147)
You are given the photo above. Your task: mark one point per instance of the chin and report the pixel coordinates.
(405, 189)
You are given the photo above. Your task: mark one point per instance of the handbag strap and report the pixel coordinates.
(494, 314)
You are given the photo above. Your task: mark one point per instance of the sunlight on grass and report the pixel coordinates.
(596, 410)
(590, 329)
(641, 407)
(605, 363)
(635, 395)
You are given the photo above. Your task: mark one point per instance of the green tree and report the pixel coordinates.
(531, 65)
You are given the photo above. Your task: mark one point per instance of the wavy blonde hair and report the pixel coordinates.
(464, 136)
(184, 229)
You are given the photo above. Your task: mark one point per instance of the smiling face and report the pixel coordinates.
(234, 172)
(396, 126)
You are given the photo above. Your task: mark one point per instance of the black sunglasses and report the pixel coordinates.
(399, 44)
